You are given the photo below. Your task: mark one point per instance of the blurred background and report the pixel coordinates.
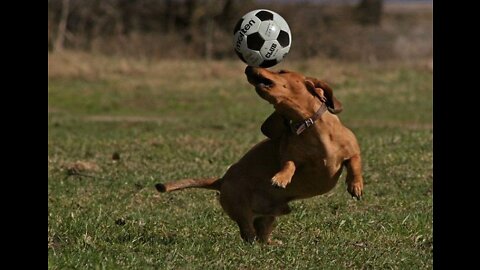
(353, 30)
(141, 92)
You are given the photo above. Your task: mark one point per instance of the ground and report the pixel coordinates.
(117, 126)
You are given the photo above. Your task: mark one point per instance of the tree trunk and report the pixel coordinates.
(209, 38)
(369, 12)
(62, 26)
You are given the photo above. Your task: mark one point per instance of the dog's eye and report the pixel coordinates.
(282, 71)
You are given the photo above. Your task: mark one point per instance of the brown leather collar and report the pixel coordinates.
(299, 127)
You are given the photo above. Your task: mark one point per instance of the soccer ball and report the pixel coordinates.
(262, 38)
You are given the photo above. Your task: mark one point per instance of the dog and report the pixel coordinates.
(303, 155)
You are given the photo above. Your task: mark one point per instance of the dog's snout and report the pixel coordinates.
(249, 70)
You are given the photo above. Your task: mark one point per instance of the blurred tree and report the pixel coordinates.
(203, 28)
(62, 26)
(369, 12)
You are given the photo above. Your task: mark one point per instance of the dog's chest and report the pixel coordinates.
(315, 179)
(323, 167)
(317, 159)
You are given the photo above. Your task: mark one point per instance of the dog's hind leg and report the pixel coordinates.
(263, 227)
(247, 230)
(238, 208)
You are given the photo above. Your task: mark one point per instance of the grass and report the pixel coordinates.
(169, 120)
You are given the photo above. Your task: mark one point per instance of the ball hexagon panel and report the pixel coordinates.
(252, 57)
(269, 30)
(282, 53)
(270, 49)
(281, 22)
(249, 25)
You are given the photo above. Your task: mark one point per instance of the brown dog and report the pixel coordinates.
(303, 156)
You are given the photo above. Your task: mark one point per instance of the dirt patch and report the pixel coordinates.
(78, 167)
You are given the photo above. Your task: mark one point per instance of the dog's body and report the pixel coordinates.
(289, 165)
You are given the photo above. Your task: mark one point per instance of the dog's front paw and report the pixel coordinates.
(355, 189)
(281, 180)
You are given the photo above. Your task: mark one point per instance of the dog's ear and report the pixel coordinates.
(323, 91)
(274, 126)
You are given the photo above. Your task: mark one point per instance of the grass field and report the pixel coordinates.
(118, 126)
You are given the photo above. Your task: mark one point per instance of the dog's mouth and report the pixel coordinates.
(256, 79)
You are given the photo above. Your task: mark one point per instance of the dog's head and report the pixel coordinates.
(292, 94)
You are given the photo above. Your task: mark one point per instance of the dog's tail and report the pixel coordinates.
(208, 183)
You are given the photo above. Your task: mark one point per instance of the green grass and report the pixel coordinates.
(171, 120)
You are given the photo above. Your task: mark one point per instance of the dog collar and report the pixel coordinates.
(299, 127)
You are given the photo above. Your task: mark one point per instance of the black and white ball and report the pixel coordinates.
(262, 38)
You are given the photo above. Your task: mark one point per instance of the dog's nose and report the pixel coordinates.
(252, 71)
(249, 70)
